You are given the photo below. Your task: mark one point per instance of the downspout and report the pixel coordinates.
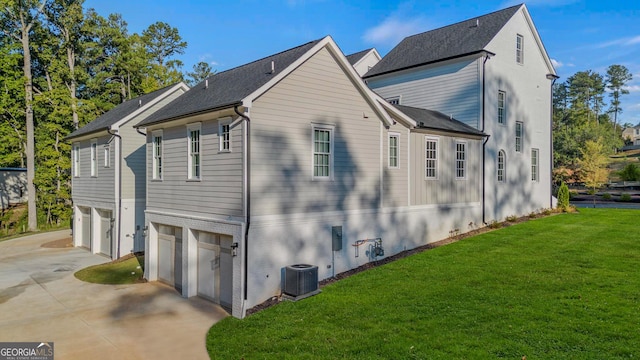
(484, 145)
(119, 192)
(553, 79)
(247, 197)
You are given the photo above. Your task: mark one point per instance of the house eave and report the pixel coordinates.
(191, 114)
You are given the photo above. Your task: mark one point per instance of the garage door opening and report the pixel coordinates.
(170, 256)
(106, 230)
(215, 268)
(85, 227)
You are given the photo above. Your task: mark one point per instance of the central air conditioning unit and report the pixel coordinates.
(300, 279)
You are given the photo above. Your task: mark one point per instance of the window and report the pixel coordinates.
(519, 49)
(224, 135)
(322, 152)
(194, 151)
(76, 160)
(431, 158)
(394, 100)
(107, 156)
(519, 136)
(461, 154)
(157, 155)
(94, 158)
(534, 165)
(394, 145)
(501, 107)
(501, 166)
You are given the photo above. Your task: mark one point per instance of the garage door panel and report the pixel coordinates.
(165, 260)
(209, 271)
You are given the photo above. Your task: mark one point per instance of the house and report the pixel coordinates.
(292, 159)
(108, 176)
(364, 60)
(493, 73)
(632, 134)
(13, 186)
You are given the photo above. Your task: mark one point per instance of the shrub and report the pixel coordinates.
(606, 196)
(512, 218)
(631, 172)
(625, 197)
(546, 212)
(563, 196)
(494, 224)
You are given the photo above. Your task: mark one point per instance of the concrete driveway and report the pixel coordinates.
(41, 300)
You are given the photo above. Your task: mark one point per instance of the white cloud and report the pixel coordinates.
(632, 88)
(393, 29)
(207, 58)
(627, 41)
(556, 64)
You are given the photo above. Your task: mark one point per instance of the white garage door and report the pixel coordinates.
(106, 231)
(215, 281)
(170, 255)
(85, 224)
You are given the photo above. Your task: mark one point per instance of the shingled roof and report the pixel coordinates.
(118, 113)
(229, 87)
(435, 120)
(355, 57)
(464, 38)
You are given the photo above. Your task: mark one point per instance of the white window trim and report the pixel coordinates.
(331, 129)
(107, 156)
(156, 169)
(190, 128)
(391, 99)
(521, 50)
(519, 137)
(504, 107)
(504, 166)
(221, 123)
(464, 160)
(94, 157)
(437, 159)
(76, 160)
(397, 136)
(535, 166)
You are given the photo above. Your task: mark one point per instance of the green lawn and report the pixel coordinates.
(122, 271)
(561, 287)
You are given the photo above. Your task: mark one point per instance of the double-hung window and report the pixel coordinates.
(519, 130)
(501, 107)
(519, 49)
(76, 160)
(502, 170)
(157, 155)
(461, 159)
(322, 151)
(431, 158)
(224, 135)
(107, 156)
(193, 132)
(534, 165)
(394, 146)
(94, 158)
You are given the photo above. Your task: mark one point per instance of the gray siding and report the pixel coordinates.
(446, 189)
(102, 186)
(396, 181)
(219, 192)
(453, 89)
(318, 92)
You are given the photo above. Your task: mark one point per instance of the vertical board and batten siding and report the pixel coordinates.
(453, 89)
(446, 189)
(134, 152)
(102, 186)
(528, 100)
(219, 190)
(396, 180)
(318, 92)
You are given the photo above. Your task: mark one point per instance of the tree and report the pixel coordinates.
(617, 77)
(18, 19)
(592, 165)
(563, 197)
(201, 71)
(163, 42)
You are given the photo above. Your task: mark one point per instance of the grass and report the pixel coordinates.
(560, 287)
(127, 270)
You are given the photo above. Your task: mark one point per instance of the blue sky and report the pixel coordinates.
(578, 35)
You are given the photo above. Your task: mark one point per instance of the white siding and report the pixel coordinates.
(453, 88)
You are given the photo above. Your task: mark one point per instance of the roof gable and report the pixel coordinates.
(124, 111)
(464, 38)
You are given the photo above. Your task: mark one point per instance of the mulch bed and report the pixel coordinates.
(491, 227)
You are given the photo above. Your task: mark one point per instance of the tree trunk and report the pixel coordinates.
(71, 62)
(28, 97)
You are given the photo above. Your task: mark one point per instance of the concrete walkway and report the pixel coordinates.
(41, 300)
